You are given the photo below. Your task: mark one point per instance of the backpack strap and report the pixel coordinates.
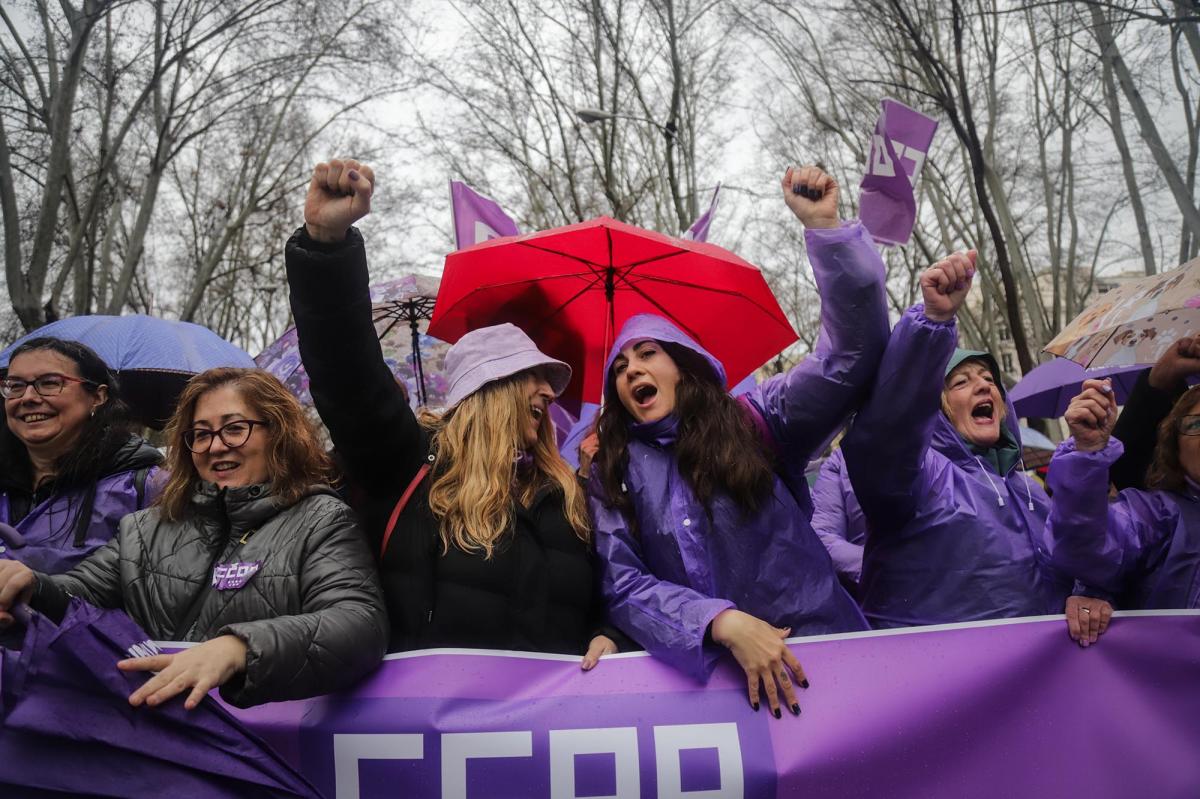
(139, 486)
(402, 502)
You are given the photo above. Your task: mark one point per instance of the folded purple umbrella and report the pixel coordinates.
(1047, 390)
(62, 689)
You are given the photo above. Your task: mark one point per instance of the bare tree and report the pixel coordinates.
(162, 82)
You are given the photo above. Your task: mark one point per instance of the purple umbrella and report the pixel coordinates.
(62, 696)
(1046, 390)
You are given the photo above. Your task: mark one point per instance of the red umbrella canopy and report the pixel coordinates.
(571, 289)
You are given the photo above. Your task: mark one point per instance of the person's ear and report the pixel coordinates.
(101, 397)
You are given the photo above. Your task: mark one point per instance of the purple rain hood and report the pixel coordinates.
(1143, 546)
(63, 529)
(665, 583)
(950, 539)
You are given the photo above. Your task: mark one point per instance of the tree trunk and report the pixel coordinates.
(1110, 54)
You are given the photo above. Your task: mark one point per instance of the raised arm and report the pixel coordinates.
(805, 406)
(369, 420)
(1089, 538)
(1153, 395)
(886, 446)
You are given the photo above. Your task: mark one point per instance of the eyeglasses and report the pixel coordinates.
(233, 435)
(47, 385)
(1190, 426)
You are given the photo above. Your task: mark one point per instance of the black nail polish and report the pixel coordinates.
(796, 189)
(778, 715)
(795, 710)
(804, 683)
(755, 706)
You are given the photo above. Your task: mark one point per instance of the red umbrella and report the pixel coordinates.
(571, 289)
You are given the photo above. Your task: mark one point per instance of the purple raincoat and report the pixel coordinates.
(837, 518)
(1144, 546)
(948, 538)
(665, 585)
(49, 528)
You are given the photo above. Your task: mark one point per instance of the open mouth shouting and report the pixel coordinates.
(644, 395)
(984, 412)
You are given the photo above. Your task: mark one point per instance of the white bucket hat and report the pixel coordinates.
(494, 353)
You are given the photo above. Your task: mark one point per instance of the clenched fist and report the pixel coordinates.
(339, 195)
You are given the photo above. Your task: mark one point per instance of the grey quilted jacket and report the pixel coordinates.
(312, 616)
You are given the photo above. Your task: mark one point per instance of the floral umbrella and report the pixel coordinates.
(401, 311)
(1135, 323)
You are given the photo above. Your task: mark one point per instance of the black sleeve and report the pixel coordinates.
(1137, 429)
(376, 433)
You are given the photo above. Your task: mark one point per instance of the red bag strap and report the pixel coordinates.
(404, 498)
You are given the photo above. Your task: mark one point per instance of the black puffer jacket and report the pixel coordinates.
(312, 616)
(539, 590)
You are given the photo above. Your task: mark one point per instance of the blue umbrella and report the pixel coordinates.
(153, 358)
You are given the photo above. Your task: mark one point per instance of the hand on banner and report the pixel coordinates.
(339, 195)
(201, 668)
(1092, 415)
(1087, 619)
(16, 585)
(945, 285)
(759, 649)
(600, 646)
(812, 195)
(1180, 361)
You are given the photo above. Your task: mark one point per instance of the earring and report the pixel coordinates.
(93, 411)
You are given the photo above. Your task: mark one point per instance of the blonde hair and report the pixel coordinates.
(475, 480)
(295, 459)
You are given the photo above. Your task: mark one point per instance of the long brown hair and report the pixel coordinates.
(717, 447)
(1165, 471)
(295, 459)
(475, 478)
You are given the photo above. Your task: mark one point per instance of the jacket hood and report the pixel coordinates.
(243, 507)
(946, 438)
(652, 326)
(136, 453)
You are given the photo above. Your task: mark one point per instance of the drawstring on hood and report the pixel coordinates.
(991, 482)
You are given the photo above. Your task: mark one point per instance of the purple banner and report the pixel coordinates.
(699, 229)
(477, 218)
(989, 709)
(899, 146)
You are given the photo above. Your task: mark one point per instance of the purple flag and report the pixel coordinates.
(986, 709)
(477, 218)
(899, 146)
(699, 229)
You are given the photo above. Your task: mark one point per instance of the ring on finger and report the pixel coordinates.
(1085, 610)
